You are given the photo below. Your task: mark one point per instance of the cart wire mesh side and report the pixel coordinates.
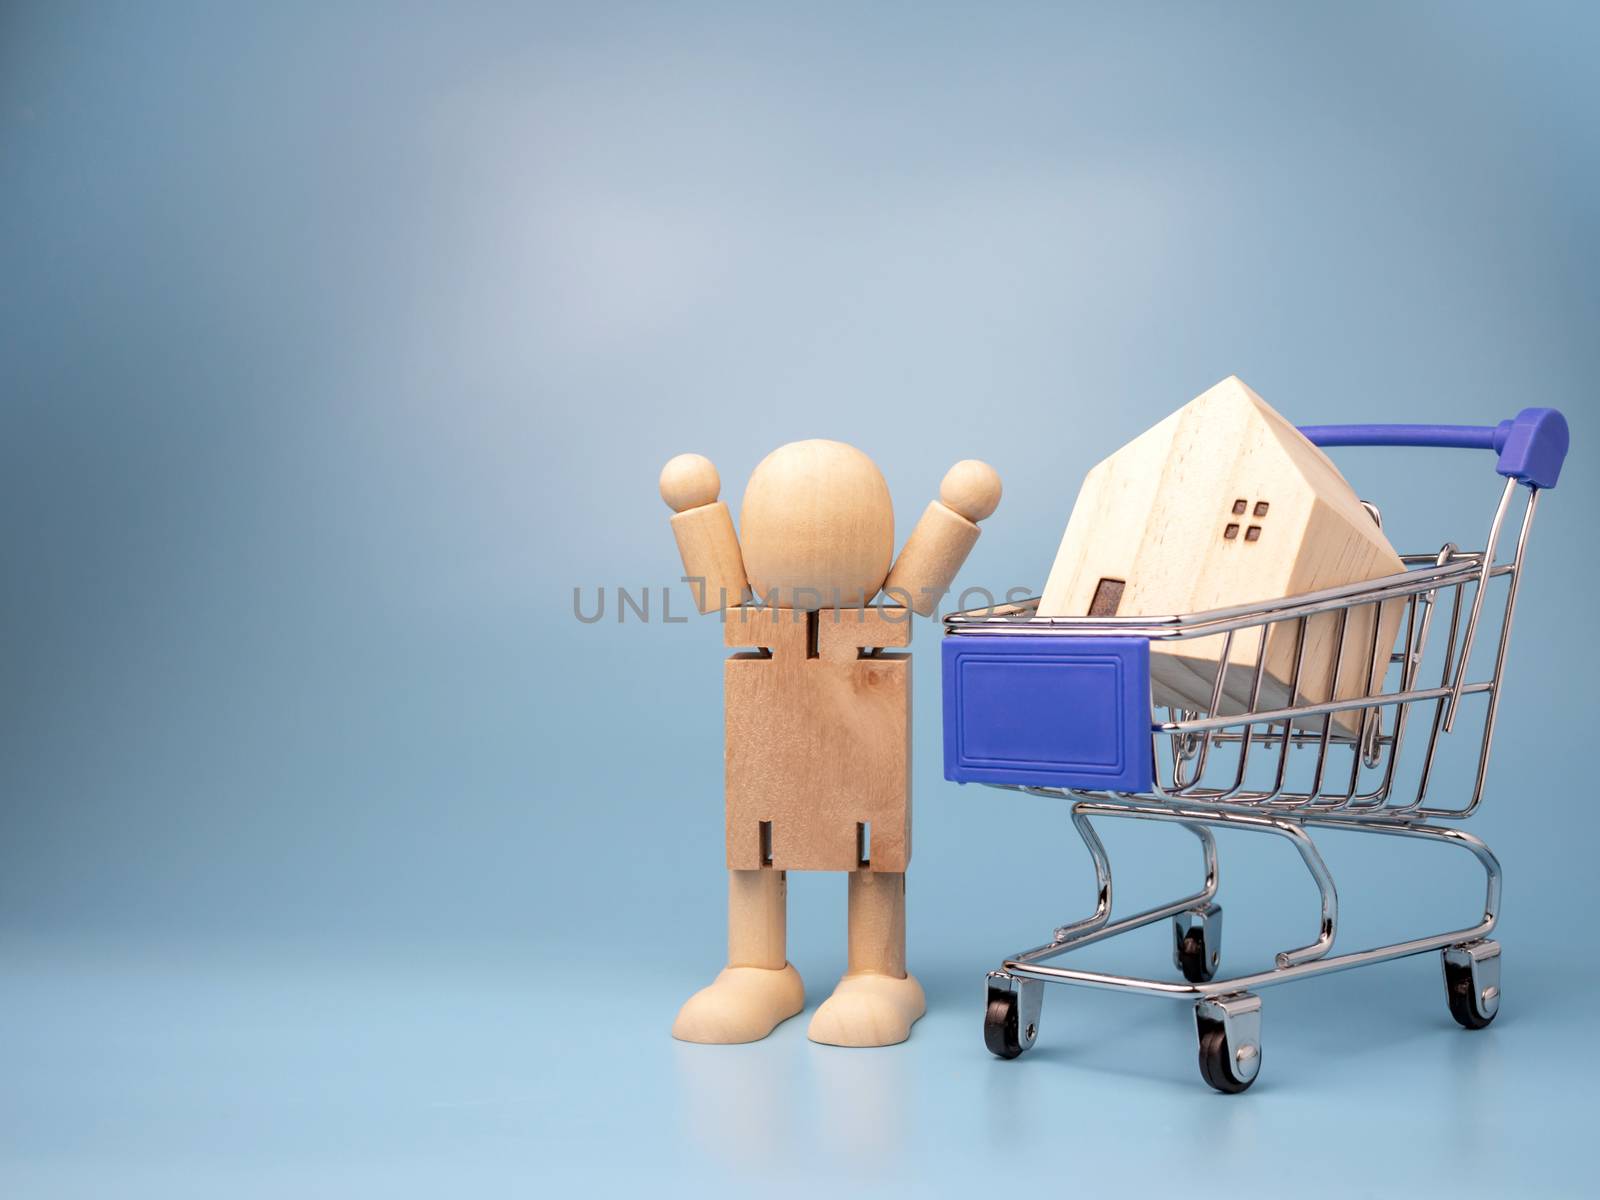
(1065, 707)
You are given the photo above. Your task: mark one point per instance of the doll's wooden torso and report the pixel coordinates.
(818, 738)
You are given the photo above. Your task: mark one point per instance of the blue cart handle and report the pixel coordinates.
(1532, 445)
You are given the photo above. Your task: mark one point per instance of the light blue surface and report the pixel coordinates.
(338, 347)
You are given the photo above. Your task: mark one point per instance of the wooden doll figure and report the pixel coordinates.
(818, 718)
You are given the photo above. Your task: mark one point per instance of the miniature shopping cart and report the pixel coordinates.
(1061, 707)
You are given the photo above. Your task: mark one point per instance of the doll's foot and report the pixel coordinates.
(869, 1010)
(743, 1004)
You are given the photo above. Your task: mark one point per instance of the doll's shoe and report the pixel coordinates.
(868, 1010)
(743, 1004)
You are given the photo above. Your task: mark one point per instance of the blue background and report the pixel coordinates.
(339, 344)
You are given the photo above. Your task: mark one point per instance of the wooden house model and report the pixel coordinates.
(1226, 503)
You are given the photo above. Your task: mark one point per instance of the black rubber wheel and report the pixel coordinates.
(1463, 1003)
(1194, 958)
(1216, 1064)
(1000, 1026)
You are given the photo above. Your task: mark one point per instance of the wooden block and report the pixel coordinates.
(774, 629)
(835, 634)
(844, 634)
(1226, 503)
(817, 755)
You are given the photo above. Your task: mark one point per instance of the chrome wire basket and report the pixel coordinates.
(1062, 707)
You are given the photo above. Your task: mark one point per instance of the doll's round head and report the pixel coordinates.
(816, 527)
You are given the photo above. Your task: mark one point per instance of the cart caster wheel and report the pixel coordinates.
(1219, 1067)
(1011, 1022)
(1472, 982)
(1001, 1031)
(1229, 1028)
(1197, 943)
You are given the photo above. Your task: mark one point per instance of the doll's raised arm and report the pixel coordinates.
(703, 526)
(944, 537)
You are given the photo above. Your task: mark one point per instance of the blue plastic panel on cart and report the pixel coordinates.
(1049, 711)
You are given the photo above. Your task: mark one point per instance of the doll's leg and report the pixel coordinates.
(758, 989)
(876, 1002)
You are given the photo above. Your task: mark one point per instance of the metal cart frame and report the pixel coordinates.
(1216, 768)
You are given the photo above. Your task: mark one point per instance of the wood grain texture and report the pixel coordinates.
(710, 552)
(758, 919)
(877, 923)
(817, 526)
(742, 1004)
(817, 740)
(930, 559)
(942, 539)
(1226, 503)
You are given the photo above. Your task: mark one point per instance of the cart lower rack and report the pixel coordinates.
(1061, 707)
